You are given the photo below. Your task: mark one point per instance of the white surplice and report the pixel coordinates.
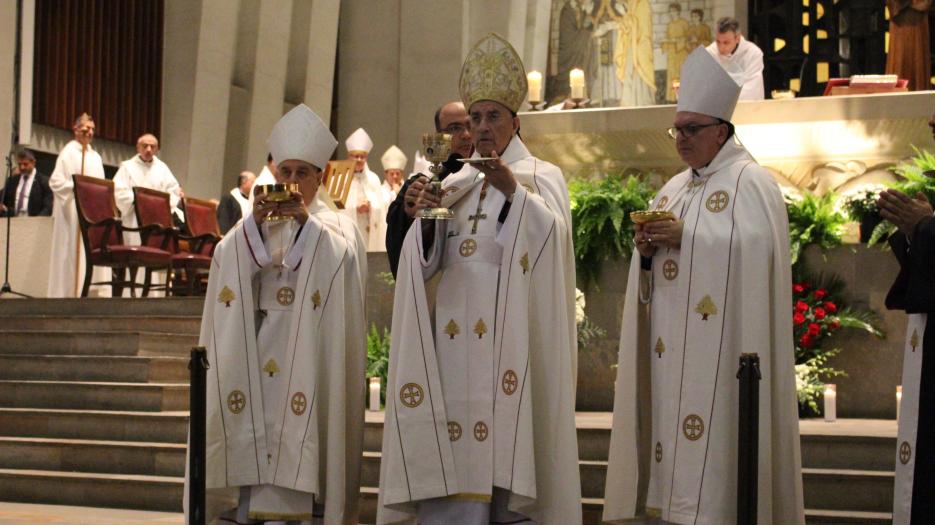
(484, 397)
(154, 175)
(66, 266)
(366, 186)
(287, 350)
(908, 419)
(745, 66)
(727, 291)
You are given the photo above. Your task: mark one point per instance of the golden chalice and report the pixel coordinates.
(276, 193)
(644, 216)
(436, 147)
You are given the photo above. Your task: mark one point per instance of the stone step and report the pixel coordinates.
(102, 307)
(78, 455)
(92, 489)
(162, 427)
(173, 324)
(40, 342)
(152, 397)
(124, 369)
(849, 452)
(838, 517)
(848, 490)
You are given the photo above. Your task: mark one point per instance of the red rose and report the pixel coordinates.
(801, 306)
(831, 307)
(814, 329)
(798, 318)
(820, 293)
(797, 288)
(820, 313)
(807, 341)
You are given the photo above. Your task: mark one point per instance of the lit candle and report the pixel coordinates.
(831, 410)
(899, 400)
(375, 394)
(534, 79)
(576, 82)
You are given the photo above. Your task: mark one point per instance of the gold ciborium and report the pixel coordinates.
(644, 216)
(276, 193)
(436, 147)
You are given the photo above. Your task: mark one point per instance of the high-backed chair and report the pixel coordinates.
(102, 236)
(202, 221)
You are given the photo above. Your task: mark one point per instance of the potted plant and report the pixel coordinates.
(861, 206)
(917, 175)
(813, 220)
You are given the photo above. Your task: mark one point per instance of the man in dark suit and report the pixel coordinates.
(27, 192)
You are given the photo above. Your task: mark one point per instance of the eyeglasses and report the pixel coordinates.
(689, 130)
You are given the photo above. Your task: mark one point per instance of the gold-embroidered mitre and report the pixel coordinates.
(494, 71)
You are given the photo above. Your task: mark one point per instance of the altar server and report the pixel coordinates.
(145, 170)
(66, 263)
(705, 288)
(365, 203)
(480, 424)
(741, 58)
(284, 327)
(914, 292)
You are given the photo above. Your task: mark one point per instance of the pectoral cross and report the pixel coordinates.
(476, 218)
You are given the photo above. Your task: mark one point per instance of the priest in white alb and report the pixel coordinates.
(285, 332)
(145, 170)
(480, 423)
(365, 204)
(66, 263)
(704, 287)
(741, 58)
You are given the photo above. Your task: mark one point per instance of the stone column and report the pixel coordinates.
(7, 56)
(197, 63)
(322, 51)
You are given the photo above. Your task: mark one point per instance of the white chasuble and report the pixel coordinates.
(154, 175)
(908, 419)
(285, 390)
(726, 291)
(66, 263)
(482, 396)
(366, 186)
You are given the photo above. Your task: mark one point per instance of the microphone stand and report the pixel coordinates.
(6, 288)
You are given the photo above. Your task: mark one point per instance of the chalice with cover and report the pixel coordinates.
(436, 147)
(278, 230)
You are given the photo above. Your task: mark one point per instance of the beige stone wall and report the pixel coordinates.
(7, 52)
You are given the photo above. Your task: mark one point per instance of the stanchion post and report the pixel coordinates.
(748, 438)
(197, 455)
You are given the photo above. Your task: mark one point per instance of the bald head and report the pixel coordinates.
(147, 146)
(452, 118)
(245, 181)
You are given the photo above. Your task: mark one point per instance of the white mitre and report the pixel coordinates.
(420, 165)
(394, 159)
(301, 135)
(359, 141)
(704, 87)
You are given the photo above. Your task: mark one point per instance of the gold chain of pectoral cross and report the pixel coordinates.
(478, 216)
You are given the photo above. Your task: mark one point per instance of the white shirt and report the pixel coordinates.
(745, 66)
(26, 180)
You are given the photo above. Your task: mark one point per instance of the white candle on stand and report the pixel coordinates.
(831, 410)
(899, 400)
(576, 82)
(375, 394)
(534, 79)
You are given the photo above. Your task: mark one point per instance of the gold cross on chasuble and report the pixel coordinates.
(478, 216)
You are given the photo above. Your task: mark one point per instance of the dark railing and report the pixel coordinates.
(196, 448)
(748, 438)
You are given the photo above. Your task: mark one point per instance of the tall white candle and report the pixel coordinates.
(899, 400)
(831, 410)
(576, 82)
(534, 79)
(375, 394)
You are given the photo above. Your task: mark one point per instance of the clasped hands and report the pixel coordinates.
(651, 235)
(294, 207)
(904, 211)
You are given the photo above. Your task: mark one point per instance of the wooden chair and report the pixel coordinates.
(201, 219)
(102, 236)
(154, 215)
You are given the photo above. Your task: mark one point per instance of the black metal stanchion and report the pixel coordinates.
(197, 457)
(748, 438)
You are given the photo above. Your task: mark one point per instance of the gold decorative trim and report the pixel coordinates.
(693, 427)
(227, 296)
(316, 300)
(905, 452)
(524, 263)
(299, 403)
(480, 328)
(662, 202)
(481, 432)
(658, 453)
(467, 248)
(452, 329)
(411, 395)
(471, 496)
(285, 296)
(660, 348)
(236, 401)
(454, 431)
(509, 383)
(670, 269)
(271, 367)
(718, 201)
(706, 307)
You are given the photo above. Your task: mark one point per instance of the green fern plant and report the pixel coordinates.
(378, 356)
(913, 181)
(600, 214)
(814, 220)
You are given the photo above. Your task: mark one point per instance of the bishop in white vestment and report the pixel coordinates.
(285, 332)
(703, 289)
(365, 203)
(480, 421)
(66, 263)
(145, 170)
(394, 165)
